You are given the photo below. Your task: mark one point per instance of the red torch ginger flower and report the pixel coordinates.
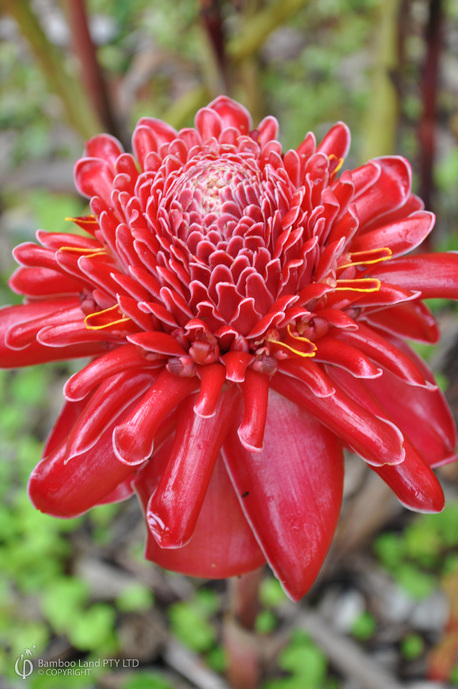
(245, 311)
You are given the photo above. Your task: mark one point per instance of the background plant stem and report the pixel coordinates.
(429, 87)
(76, 106)
(91, 72)
(383, 109)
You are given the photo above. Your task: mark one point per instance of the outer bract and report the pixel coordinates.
(245, 313)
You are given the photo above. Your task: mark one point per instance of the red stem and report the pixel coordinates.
(433, 38)
(210, 13)
(240, 640)
(92, 76)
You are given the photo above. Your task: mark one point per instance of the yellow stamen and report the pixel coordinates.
(87, 219)
(357, 258)
(358, 285)
(292, 349)
(96, 314)
(339, 165)
(87, 251)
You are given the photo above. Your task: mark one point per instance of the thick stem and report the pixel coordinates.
(91, 72)
(212, 21)
(240, 640)
(433, 39)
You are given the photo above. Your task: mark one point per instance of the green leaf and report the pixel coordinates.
(304, 657)
(417, 584)
(28, 386)
(136, 597)
(93, 629)
(207, 600)
(63, 601)
(423, 543)
(191, 626)
(266, 621)
(389, 547)
(271, 593)
(364, 626)
(305, 661)
(51, 210)
(147, 679)
(216, 659)
(412, 646)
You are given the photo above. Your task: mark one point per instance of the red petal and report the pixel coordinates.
(174, 508)
(104, 146)
(94, 177)
(435, 275)
(412, 205)
(223, 544)
(105, 405)
(232, 114)
(268, 129)
(212, 378)
(414, 321)
(133, 440)
(400, 236)
(336, 142)
(413, 482)
(255, 391)
(75, 333)
(43, 282)
(30, 254)
(109, 364)
(309, 373)
(162, 132)
(423, 415)
(382, 351)
(21, 335)
(290, 492)
(208, 123)
(236, 363)
(375, 439)
(64, 424)
(158, 342)
(335, 351)
(389, 191)
(36, 353)
(123, 491)
(68, 488)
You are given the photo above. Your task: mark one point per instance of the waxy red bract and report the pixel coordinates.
(245, 312)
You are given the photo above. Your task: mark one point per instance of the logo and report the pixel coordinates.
(23, 665)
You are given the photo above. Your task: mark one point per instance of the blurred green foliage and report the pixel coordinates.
(412, 646)
(304, 665)
(425, 548)
(364, 626)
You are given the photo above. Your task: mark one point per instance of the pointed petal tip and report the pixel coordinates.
(246, 441)
(436, 507)
(126, 449)
(69, 393)
(161, 532)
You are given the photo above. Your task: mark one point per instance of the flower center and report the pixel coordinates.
(213, 189)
